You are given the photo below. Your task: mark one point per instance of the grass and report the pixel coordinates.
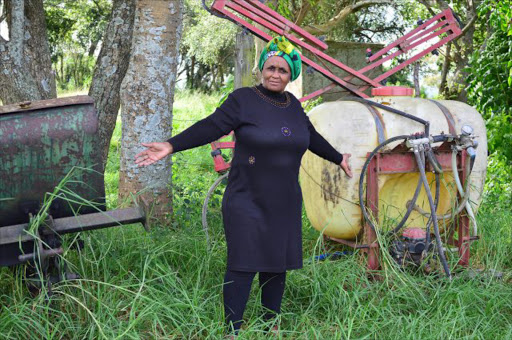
(167, 284)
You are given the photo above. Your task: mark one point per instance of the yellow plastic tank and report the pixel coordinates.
(332, 200)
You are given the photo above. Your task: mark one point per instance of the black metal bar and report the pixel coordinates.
(65, 225)
(111, 218)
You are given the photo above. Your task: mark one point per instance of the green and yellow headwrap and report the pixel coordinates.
(281, 47)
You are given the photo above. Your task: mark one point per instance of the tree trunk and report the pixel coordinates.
(244, 53)
(26, 68)
(147, 95)
(446, 69)
(461, 63)
(94, 45)
(110, 70)
(192, 73)
(259, 45)
(416, 77)
(343, 14)
(463, 48)
(214, 78)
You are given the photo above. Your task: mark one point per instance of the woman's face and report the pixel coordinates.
(276, 74)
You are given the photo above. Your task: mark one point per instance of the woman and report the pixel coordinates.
(263, 201)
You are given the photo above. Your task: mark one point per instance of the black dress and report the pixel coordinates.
(263, 201)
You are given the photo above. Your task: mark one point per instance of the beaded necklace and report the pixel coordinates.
(274, 102)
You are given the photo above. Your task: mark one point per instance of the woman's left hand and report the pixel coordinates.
(153, 153)
(344, 165)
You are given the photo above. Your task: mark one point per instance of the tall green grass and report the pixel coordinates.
(167, 284)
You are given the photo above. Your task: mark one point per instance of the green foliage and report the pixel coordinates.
(207, 48)
(75, 29)
(490, 90)
(113, 167)
(310, 104)
(367, 24)
(193, 171)
(498, 186)
(228, 87)
(208, 38)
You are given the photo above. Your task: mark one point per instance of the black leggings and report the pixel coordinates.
(237, 286)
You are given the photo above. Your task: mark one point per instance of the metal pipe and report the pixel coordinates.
(363, 174)
(440, 249)
(460, 207)
(457, 211)
(461, 190)
(432, 159)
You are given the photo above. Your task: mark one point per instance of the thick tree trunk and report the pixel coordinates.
(147, 96)
(25, 68)
(110, 70)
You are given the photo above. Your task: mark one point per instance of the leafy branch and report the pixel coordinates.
(343, 14)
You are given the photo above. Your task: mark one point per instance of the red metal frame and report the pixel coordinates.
(443, 23)
(220, 164)
(399, 161)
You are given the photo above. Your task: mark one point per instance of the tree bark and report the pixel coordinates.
(343, 14)
(306, 6)
(110, 70)
(92, 48)
(25, 68)
(416, 77)
(466, 49)
(446, 69)
(463, 48)
(147, 95)
(243, 60)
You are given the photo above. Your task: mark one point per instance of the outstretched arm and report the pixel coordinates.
(218, 124)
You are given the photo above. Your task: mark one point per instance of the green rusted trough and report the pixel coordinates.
(40, 143)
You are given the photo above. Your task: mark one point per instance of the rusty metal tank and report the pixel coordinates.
(351, 126)
(40, 143)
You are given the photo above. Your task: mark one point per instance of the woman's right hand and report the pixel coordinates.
(153, 153)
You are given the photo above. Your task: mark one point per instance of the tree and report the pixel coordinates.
(25, 68)
(338, 20)
(111, 68)
(147, 97)
(75, 29)
(206, 57)
(460, 50)
(28, 50)
(490, 90)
